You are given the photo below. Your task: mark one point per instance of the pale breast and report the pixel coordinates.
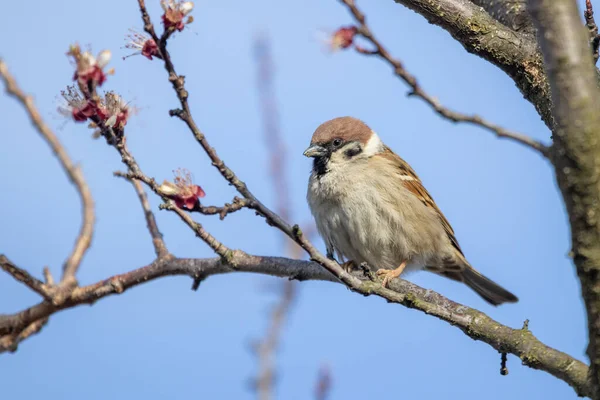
(370, 217)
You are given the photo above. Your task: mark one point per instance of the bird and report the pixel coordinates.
(371, 208)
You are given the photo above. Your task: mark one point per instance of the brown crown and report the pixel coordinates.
(347, 128)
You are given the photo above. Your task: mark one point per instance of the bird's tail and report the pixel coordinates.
(483, 286)
(486, 288)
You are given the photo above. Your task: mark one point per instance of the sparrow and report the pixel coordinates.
(371, 208)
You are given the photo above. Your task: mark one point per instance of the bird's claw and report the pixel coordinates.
(387, 275)
(348, 266)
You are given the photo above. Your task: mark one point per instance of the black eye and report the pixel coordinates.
(337, 142)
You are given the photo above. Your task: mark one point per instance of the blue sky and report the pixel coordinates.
(161, 340)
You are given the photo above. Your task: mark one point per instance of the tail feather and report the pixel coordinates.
(486, 288)
(489, 290)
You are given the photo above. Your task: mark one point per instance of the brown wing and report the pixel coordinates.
(414, 185)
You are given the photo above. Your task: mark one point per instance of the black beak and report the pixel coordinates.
(315, 151)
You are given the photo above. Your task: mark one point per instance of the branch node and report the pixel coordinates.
(177, 112)
(297, 231)
(197, 281)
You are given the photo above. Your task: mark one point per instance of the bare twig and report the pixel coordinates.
(137, 174)
(416, 89)
(24, 277)
(160, 247)
(590, 23)
(228, 208)
(84, 239)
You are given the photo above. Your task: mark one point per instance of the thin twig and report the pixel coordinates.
(24, 277)
(137, 174)
(160, 248)
(590, 23)
(228, 208)
(84, 239)
(416, 89)
(218, 247)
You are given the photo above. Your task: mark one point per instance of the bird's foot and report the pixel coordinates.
(388, 274)
(349, 266)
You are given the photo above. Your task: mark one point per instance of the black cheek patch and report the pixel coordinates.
(320, 165)
(353, 151)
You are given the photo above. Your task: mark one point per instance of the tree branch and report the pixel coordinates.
(480, 34)
(572, 76)
(24, 277)
(475, 324)
(84, 239)
(158, 242)
(511, 13)
(417, 90)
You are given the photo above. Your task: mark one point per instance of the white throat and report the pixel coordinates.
(374, 145)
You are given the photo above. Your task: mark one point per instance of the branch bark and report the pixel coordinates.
(572, 76)
(511, 13)
(513, 52)
(474, 323)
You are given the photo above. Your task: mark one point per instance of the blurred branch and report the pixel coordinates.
(323, 386)
(267, 348)
(417, 90)
(275, 146)
(572, 77)
(73, 172)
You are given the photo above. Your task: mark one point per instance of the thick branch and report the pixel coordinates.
(84, 239)
(479, 33)
(572, 76)
(475, 324)
(512, 13)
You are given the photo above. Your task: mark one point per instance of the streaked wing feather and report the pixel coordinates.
(415, 186)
